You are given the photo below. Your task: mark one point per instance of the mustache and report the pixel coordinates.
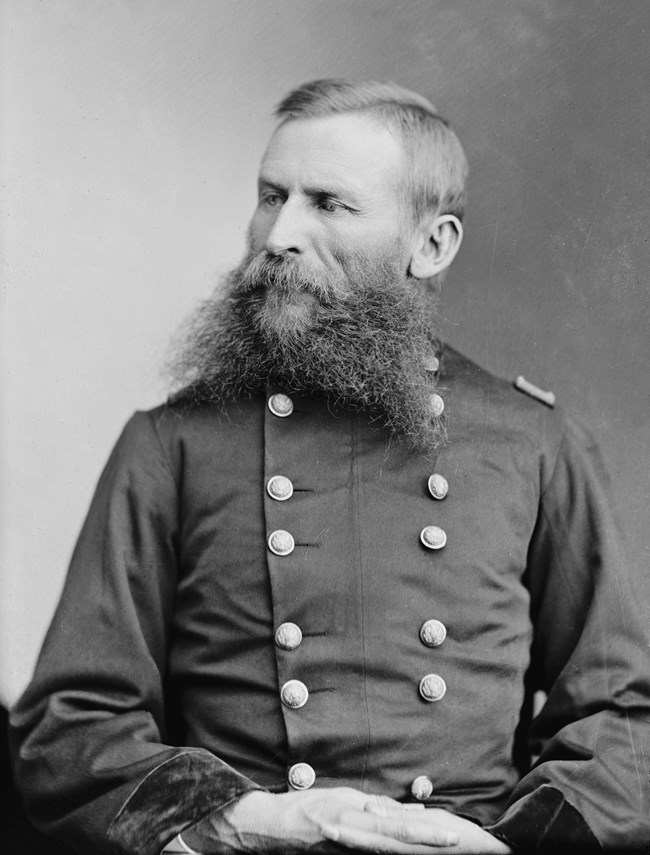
(287, 274)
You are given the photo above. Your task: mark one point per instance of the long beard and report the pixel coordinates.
(361, 339)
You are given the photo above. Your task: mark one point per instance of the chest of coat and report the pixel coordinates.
(313, 522)
(350, 509)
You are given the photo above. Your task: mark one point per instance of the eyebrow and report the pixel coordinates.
(315, 191)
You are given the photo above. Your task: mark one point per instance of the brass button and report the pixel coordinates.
(433, 537)
(281, 542)
(438, 485)
(436, 404)
(280, 405)
(301, 776)
(288, 636)
(431, 363)
(422, 788)
(294, 694)
(280, 488)
(433, 633)
(432, 688)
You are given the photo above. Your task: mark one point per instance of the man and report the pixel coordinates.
(316, 590)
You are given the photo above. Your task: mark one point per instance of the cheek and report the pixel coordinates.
(258, 231)
(344, 242)
(370, 248)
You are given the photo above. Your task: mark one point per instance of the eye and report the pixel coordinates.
(271, 200)
(330, 206)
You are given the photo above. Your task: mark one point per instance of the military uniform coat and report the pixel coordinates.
(280, 594)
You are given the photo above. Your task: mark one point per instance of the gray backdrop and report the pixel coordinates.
(130, 138)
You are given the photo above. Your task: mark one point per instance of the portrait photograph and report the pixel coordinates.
(325, 426)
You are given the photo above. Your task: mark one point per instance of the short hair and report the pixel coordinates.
(437, 169)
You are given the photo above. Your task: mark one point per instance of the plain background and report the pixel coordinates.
(131, 133)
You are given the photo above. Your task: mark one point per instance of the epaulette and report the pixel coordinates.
(528, 388)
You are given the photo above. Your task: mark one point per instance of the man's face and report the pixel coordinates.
(328, 197)
(324, 303)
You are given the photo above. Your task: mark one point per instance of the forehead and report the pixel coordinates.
(349, 149)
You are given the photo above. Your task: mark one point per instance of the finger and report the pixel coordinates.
(408, 827)
(392, 834)
(363, 841)
(383, 806)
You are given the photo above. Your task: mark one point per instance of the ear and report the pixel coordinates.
(436, 243)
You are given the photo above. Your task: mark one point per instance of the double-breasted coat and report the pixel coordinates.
(280, 594)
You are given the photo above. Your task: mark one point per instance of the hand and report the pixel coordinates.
(324, 820)
(471, 838)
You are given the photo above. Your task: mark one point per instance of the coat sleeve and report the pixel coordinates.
(590, 786)
(89, 733)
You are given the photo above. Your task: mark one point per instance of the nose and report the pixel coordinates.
(288, 231)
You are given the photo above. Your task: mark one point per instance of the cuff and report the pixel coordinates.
(176, 794)
(544, 822)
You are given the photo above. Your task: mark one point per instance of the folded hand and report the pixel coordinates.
(296, 821)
